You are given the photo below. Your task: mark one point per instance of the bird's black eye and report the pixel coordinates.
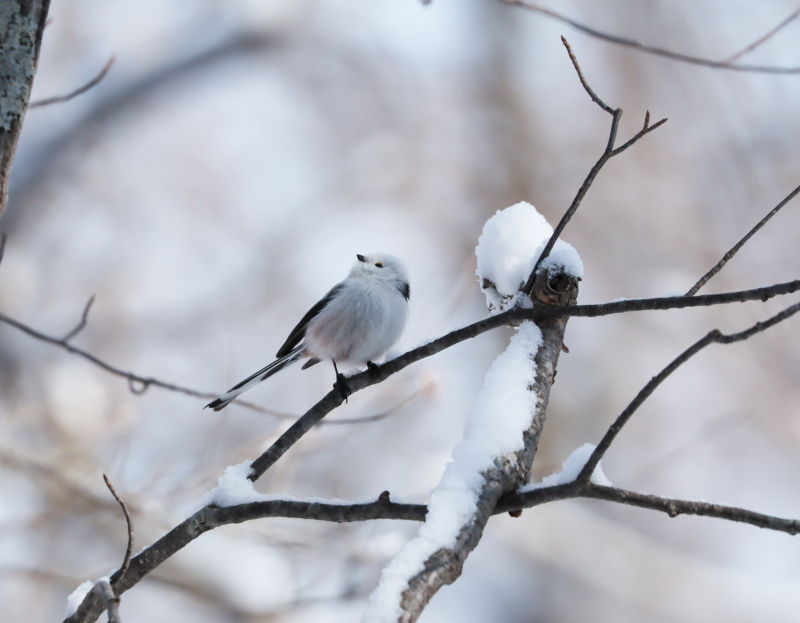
(378, 264)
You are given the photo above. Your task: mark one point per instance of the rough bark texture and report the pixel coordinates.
(21, 28)
(509, 471)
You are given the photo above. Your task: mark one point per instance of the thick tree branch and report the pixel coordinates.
(649, 49)
(21, 27)
(510, 470)
(705, 278)
(608, 153)
(712, 337)
(212, 517)
(65, 98)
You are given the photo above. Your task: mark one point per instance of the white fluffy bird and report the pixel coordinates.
(355, 323)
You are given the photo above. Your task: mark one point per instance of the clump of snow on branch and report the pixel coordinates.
(235, 487)
(502, 411)
(77, 596)
(570, 470)
(511, 242)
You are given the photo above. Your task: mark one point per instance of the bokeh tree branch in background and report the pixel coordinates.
(728, 63)
(59, 99)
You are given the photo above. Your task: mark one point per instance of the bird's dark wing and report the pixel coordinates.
(299, 332)
(405, 289)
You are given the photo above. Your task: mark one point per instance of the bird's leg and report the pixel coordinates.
(372, 368)
(340, 384)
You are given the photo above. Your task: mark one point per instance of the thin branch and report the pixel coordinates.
(3, 238)
(126, 561)
(109, 599)
(705, 278)
(65, 98)
(712, 337)
(592, 94)
(138, 384)
(670, 506)
(684, 507)
(764, 38)
(631, 43)
(80, 326)
(608, 153)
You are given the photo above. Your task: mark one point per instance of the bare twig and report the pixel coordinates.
(80, 326)
(126, 561)
(608, 153)
(705, 278)
(65, 98)
(3, 238)
(768, 35)
(592, 94)
(110, 600)
(631, 43)
(712, 337)
(673, 507)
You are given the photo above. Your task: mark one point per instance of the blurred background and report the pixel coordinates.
(224, 175)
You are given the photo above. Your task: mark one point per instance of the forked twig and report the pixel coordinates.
(609, 153)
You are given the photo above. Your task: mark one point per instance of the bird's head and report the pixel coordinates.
(380, 266)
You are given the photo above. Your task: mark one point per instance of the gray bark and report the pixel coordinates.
(21, 28)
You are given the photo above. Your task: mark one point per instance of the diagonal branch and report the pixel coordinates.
(82, 324)
(608, 153)
(65, 98)
(712, 337)
(765, 37)
(378, 374)
(650, 49)
(705, 278)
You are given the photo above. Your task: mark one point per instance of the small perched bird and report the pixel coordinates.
(355, 323)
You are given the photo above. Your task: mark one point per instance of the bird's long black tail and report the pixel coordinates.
(255, 379)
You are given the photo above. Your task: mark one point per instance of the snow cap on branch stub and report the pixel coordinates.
(511, 243)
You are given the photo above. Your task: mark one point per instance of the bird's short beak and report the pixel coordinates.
(361, 258)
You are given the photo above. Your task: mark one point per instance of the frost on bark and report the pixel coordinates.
(552, 287)
(21, 27)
